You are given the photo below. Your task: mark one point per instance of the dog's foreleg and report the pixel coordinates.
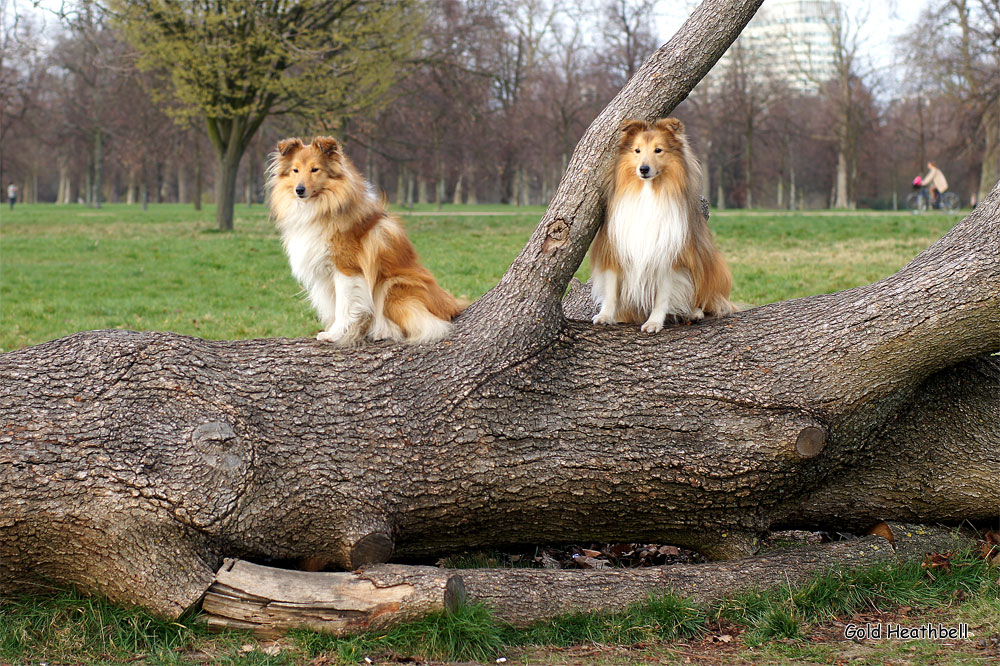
(605, 290)
(323, 296)
(674, 295)
(654, 324)
(353, 310)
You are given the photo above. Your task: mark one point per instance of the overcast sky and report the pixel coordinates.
(881, 23)
(884, 21)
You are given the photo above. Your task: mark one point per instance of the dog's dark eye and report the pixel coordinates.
(314, 170)
(637, 150)
(295, 170)
(658, 150)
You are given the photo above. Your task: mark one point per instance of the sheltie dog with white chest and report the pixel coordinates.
(354, 260)
(654, 255)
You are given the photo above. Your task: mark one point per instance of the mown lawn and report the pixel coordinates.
(65, 269)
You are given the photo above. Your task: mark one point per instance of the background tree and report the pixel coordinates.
(237, 62)
(24, 80)
(954, 50)
(627, 29)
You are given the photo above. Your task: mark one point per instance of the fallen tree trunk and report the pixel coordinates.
(270, 601)
(131, 464)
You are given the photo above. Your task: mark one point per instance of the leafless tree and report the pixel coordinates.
(955, 50)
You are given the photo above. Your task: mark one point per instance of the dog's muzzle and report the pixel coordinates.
(300, 190)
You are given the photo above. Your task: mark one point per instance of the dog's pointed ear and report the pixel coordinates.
(670, 125)
(326, 145)
(629, 128)
(288, 146)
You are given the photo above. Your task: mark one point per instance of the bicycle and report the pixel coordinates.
(920, 201)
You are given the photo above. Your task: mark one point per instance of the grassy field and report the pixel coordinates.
(66, 268)
(781, 626)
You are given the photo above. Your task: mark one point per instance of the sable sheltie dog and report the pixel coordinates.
(654, 255)
(354, 260)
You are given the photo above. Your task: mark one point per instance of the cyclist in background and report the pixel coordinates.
(937, 182)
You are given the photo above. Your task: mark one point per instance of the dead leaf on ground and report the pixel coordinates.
(585, 562)
(938, 561)
(990, 548)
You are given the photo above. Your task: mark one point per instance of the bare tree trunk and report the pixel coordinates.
(471, 197)
(840, 187)
(440, 185)
(720, 198)
(182, 194)
(197, 175)
(133, 463)
(98, 158)
(227, 171)
(252, 168)
(990, 174)
(706, 181)
(130, 195)
(89, 184)
(63, 181)
(456, 198)
(748, 162)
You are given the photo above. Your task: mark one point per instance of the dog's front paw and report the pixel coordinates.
(334, 336)
(652, 326)
(341, 338)
(604, 318)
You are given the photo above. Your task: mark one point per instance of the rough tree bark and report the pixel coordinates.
(131, 464)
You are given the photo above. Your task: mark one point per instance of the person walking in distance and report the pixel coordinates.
(936, 181)
(11, 194)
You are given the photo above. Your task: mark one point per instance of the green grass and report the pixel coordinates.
(65, 269)
(69, 628)
(781, 612)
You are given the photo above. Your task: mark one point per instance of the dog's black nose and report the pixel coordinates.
(300, 190)
(644, 170)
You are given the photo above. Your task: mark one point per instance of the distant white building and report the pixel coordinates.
(792, 41)
(797, 37)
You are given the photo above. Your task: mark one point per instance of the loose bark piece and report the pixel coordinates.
(270, 601)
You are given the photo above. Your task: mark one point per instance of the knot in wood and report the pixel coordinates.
(556, 235)
(810, 442)
(217, 442)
